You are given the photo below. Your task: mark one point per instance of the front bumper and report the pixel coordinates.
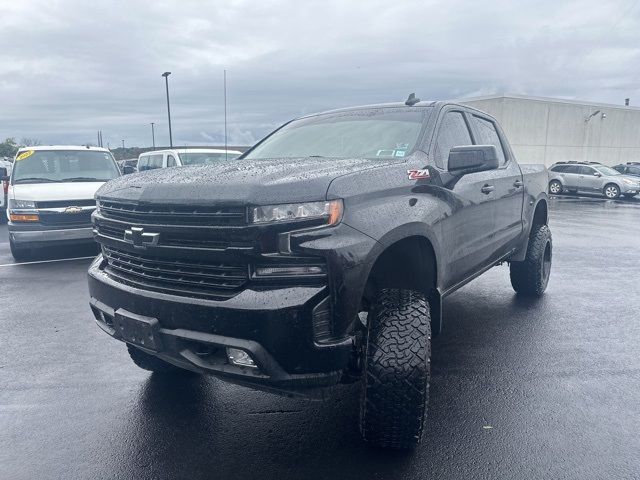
(38, 235)
(275, 326)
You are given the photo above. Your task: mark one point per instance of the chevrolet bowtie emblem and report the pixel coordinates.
(139, 238)
(73, 210)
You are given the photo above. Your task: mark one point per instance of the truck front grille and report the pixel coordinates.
(197, 278)
(82, 218)
(174, 214)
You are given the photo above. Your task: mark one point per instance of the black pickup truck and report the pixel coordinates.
(322, 255)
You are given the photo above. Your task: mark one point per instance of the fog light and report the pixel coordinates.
(240, 358)
(292, 270)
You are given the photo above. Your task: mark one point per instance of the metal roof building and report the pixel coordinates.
(548, 130)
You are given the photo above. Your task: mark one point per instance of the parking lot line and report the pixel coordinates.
(46, 261)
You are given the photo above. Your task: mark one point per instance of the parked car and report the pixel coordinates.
(591, 177)
(325, 258)
(51, 195)
(630, 168)
(183, 157)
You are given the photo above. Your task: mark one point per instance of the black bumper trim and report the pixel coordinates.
(181, 348)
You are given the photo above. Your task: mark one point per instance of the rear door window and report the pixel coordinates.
(453, 132)
(559, 168)
(572, 169)
(487, 134)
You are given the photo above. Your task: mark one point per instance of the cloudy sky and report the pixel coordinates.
(72, 67)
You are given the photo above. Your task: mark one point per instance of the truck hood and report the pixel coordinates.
(242, 182)
(40, 192)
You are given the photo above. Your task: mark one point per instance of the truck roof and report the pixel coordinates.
(423, 104)
(63, 147)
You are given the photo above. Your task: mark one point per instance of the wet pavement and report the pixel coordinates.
(520, 388)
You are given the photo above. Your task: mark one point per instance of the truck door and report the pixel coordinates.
(469, 223)
(508, 183)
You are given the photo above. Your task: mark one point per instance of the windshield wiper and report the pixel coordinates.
(35, 180)
(85, 179)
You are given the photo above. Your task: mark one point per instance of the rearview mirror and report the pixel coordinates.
(472, 158)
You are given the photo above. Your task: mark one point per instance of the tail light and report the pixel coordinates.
(5, 186)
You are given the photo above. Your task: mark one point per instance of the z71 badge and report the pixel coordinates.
(418, 174)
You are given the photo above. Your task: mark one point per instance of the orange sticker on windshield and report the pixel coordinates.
(24, 155)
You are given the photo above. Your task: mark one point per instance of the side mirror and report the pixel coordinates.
(127, 169)
(472, 158)
(597, 174)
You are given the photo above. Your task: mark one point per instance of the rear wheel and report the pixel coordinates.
(531, 276)
(20, 254)
(611, 191)
(152, 363)
(555, 187)
(395, 383)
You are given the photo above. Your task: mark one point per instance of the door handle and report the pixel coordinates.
(487, 189)
(518, 183)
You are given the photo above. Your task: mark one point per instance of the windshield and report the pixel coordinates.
(45, 166)
(206, 158)
(607, 170)
(375, 133)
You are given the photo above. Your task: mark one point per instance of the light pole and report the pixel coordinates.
(122, 144)
(153, 135)
(166, 81)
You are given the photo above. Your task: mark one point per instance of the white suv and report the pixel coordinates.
(183, 157)
(51, 195)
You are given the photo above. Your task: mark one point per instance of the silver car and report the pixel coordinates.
(591, 178)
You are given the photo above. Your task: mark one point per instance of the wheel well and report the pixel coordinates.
(612, 183)
(409, 264)
(540, 215)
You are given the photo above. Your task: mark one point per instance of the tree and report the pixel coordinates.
(29, 142)
(9, 147)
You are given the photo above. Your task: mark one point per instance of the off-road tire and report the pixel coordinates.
(152, 363)
(611, 187)
(395, 381)
(555, 185)
(20, 254)
(530, 277)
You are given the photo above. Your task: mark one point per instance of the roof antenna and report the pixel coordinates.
(412, 100)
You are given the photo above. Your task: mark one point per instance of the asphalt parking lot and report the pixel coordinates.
(520, 388)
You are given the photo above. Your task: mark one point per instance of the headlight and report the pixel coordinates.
(330, 211)
(23, 211)
(629, 182)
(21, 204)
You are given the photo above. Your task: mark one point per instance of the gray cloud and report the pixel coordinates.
(72, 67)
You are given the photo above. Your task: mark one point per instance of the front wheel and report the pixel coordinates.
(531, 276)
(611, 191)
(19, 254)
(395, 383)
(555, 187)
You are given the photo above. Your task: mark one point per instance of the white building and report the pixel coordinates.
(548, 130)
